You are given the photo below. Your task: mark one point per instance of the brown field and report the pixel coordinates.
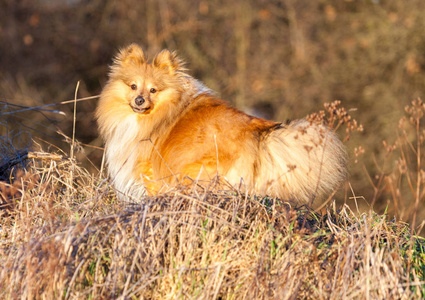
(64, 234)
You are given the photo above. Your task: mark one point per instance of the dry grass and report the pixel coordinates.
(64, 235)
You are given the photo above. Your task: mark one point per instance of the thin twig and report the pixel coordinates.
(51, 104)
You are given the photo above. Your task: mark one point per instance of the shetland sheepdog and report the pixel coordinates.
(161, 126)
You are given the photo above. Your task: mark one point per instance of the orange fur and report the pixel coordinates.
(160, 124)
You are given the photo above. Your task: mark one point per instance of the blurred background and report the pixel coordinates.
(278, 59)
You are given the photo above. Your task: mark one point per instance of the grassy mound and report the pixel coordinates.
(64, 235)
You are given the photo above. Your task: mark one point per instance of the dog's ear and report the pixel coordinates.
(169, 61)
(131, 55)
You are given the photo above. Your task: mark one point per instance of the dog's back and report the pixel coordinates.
(299, 161)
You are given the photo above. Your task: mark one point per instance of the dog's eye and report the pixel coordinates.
(133, 87)
(153, 91)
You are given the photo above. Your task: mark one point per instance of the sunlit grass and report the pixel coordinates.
(75, 240)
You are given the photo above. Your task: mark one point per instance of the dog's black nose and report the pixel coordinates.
(139, 100)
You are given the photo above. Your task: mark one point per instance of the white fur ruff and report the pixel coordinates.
(121, 156)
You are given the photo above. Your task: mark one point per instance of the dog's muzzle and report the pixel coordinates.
(140, 105)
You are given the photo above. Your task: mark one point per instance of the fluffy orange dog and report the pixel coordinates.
(160, 124)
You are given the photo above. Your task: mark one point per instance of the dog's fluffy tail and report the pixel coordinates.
(301, 162)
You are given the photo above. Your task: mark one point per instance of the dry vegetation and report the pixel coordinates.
(63, 233)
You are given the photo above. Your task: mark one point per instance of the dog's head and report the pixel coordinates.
(146, 85)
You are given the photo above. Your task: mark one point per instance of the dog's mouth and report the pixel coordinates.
(140, 110)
